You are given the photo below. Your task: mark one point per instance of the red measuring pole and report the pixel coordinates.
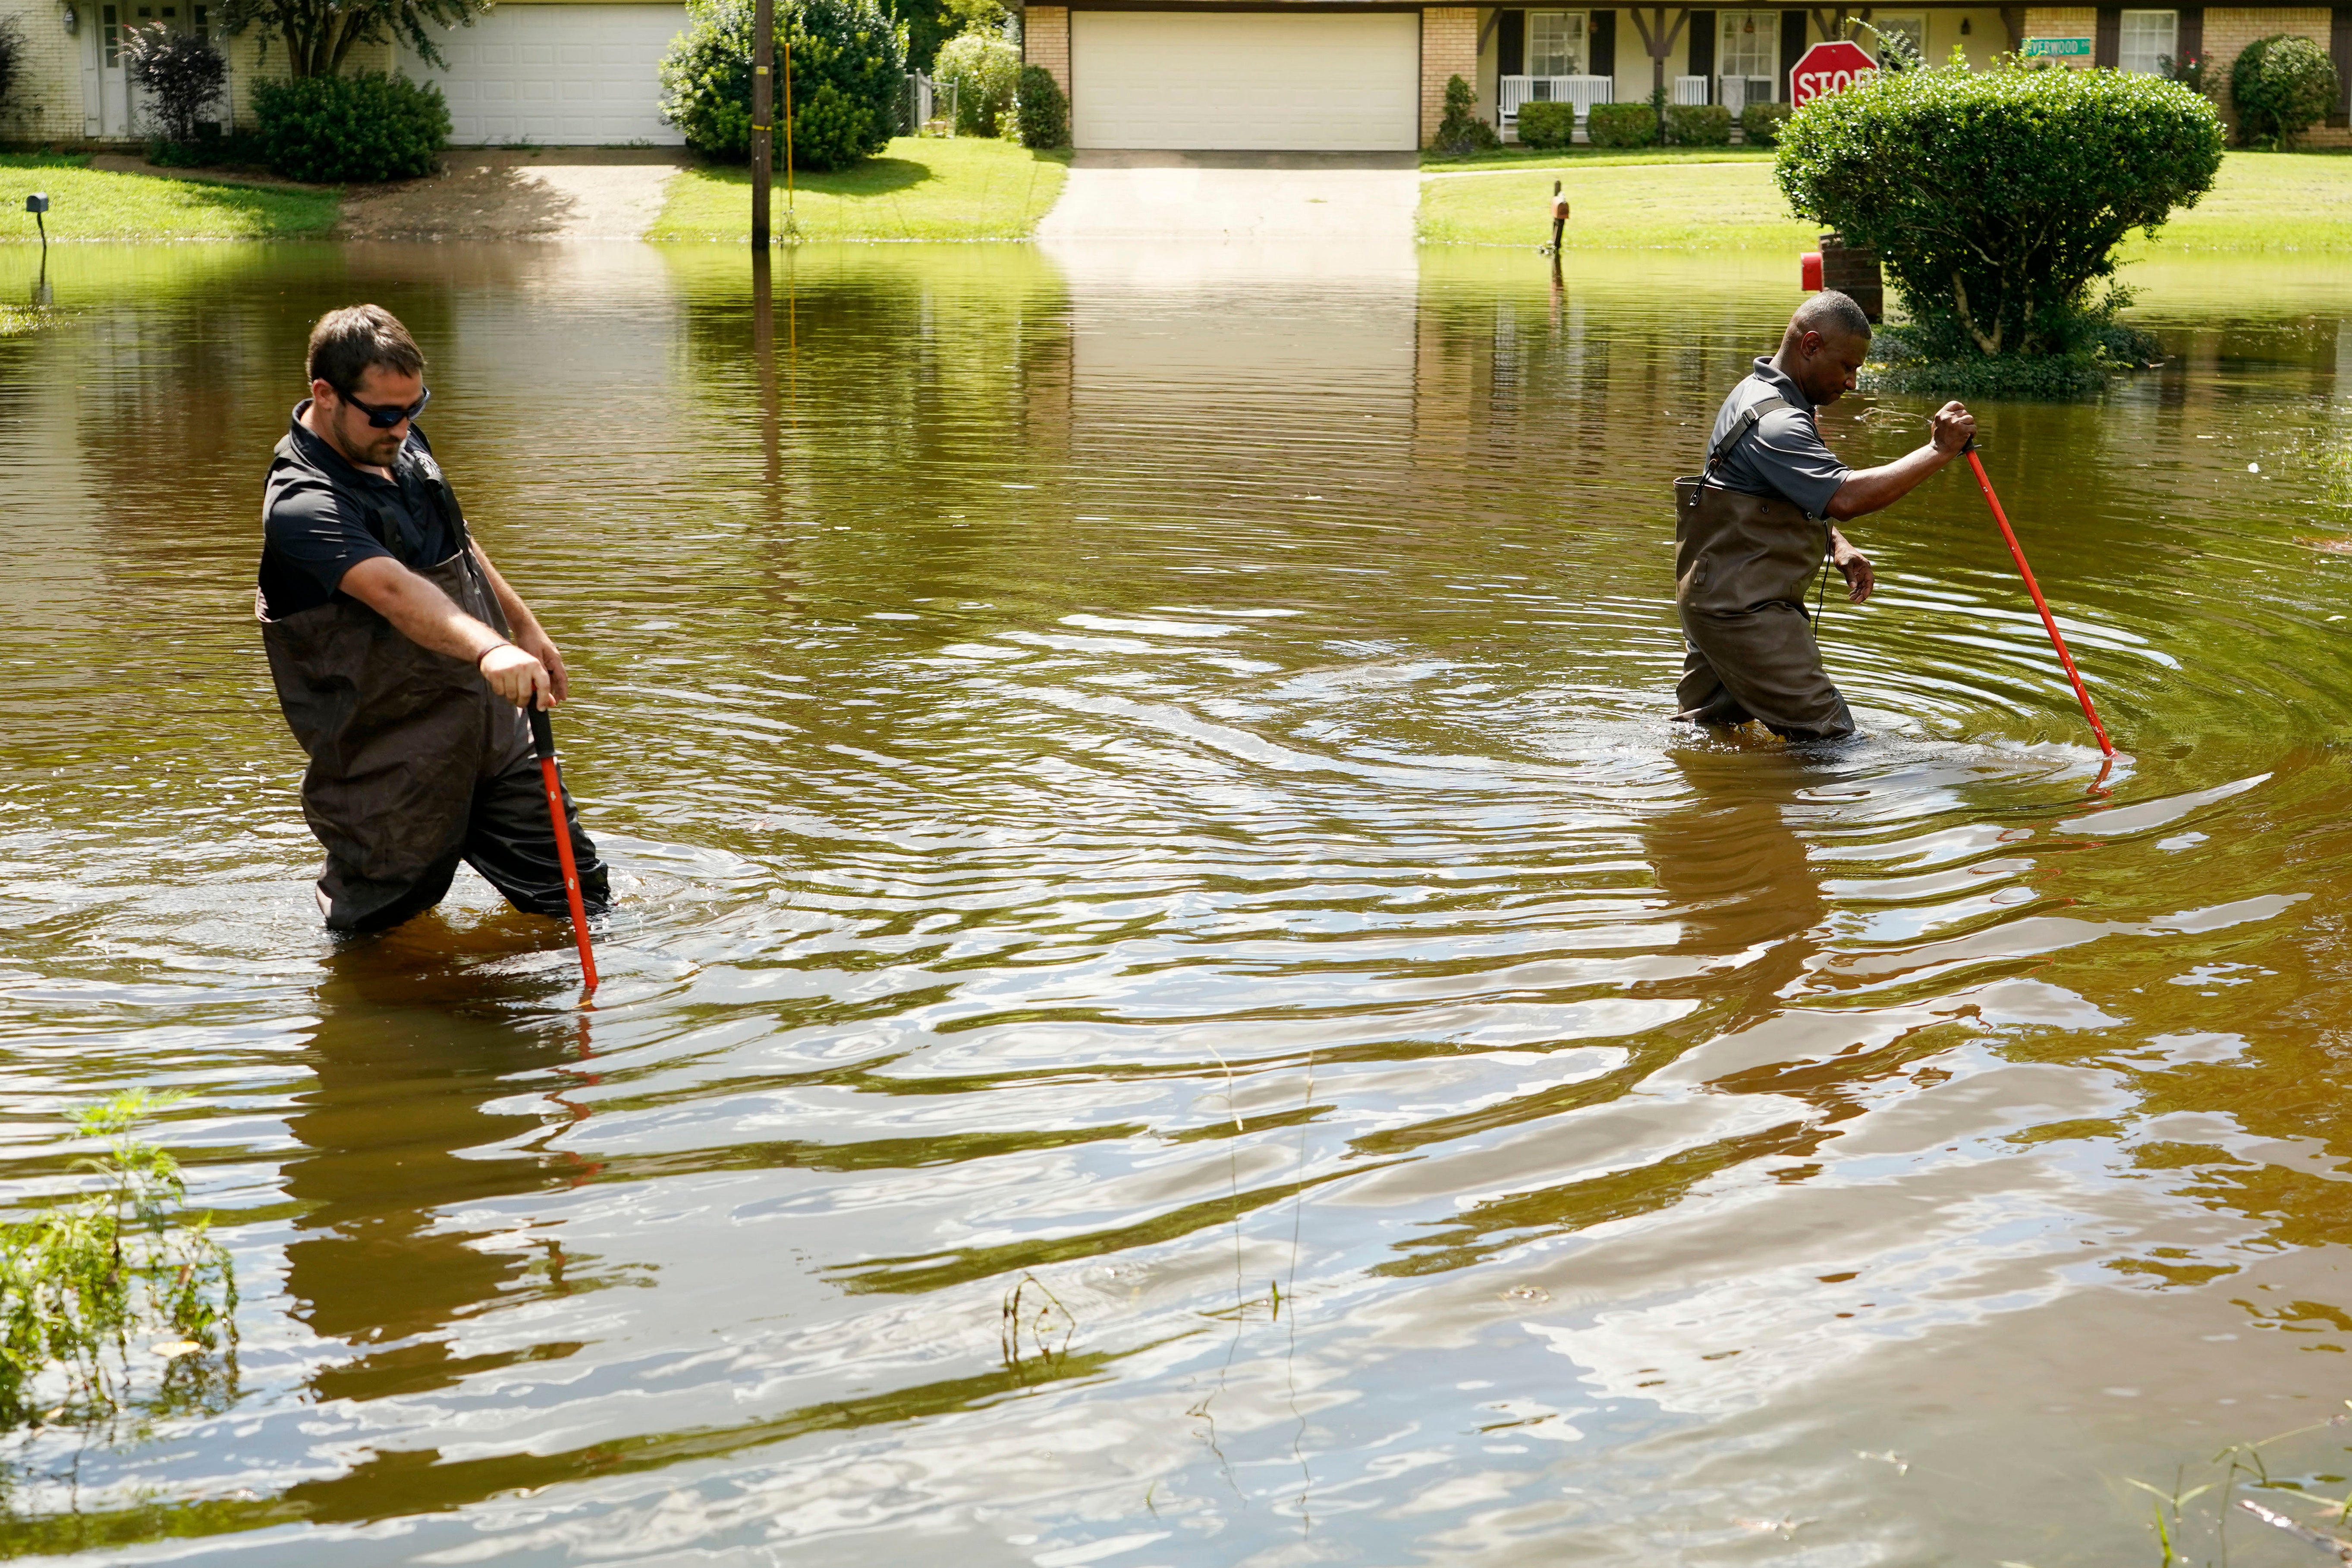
(2106, 747)
(542, 740)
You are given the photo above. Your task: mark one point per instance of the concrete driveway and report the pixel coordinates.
(1365, 198)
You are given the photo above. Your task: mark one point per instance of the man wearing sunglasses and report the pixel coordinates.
(403, 659)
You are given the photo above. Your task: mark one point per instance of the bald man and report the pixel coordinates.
(1750, 532)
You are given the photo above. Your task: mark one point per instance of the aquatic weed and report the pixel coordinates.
(115, 1299)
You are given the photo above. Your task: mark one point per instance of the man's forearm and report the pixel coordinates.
(419, 610)
(1873, 489)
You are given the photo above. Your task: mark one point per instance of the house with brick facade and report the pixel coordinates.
(1176, 75)
(1352, 76)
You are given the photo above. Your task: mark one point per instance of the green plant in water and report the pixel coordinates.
(103, 1293)
(1996, 201)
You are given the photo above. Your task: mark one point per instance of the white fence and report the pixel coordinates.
(927, 100)
(1583, 92)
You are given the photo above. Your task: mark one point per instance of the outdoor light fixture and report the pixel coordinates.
(73, 21)
(1965, 29)
(1750, 26)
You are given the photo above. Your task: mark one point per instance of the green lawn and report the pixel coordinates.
(1516, 157)
(934, 188)
(2261, 201)
(1675, 203)
(86, 204)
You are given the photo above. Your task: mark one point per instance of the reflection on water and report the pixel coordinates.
(1176, 998)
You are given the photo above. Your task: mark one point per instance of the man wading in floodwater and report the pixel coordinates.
(1751, 531)
(402, 658)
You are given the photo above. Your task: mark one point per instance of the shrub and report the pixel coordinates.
(1762, 122)
(2281, 85)
(1546, 124)
(330, 129)
(1996, 199)
(986, 70)
(1621, 125)
(1040, 110)
(1461, 132)
(1698, 125)
(849, 71)
(181, 75)
(12, 55)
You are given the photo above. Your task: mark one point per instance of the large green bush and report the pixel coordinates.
(848, 78)
(986, 68)
(1546, 124)
(1997, 199)
(2281, 85)
(1041, 110)
(1698, 125)
(1762, 122)
(331, 129)
(1621, 125)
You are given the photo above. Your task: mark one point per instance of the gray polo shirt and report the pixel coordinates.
(1784, 455)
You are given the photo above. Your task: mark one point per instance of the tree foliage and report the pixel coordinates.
(2282, 85)
(848, 80)
(181, 75)
(985, 67)
(330, 129)
(1996, 199)
(320, 35)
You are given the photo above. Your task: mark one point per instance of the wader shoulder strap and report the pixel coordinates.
(1748, 420)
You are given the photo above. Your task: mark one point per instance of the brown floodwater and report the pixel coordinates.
(1176, 999)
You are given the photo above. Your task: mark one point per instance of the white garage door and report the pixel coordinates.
(1246, 81)
(560, 75)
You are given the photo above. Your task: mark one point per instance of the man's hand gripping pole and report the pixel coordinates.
(2106, 747)
(542, 740)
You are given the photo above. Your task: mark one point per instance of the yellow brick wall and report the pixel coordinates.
(2228, 31)
(1449, 47)
(2067, 22)
(45, 104)
(1046, 41)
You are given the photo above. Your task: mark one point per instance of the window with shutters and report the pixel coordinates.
(2149, 39)
(1555, 43)
(1750, 45)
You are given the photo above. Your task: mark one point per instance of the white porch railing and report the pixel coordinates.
(1583, 92)
(1737, 92)
(1690, 90)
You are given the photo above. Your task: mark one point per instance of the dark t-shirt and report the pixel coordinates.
(1784, 455)
(311, 535)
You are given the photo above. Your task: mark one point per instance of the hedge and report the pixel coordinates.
(1621, 125)
(1546, 124)
(1698, 125)
(1762, 122)
(367, 126)
(2282, 85)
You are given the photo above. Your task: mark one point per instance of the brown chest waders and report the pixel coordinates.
(415, 763)
(1742, 566)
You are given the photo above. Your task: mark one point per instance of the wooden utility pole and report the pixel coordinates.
(764, 116)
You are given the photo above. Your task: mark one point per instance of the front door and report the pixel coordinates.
(115, 110)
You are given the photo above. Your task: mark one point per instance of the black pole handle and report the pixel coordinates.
(542, 732)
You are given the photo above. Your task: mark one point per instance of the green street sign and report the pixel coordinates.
(2064, 46)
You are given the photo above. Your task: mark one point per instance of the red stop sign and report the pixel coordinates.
(1829, 67)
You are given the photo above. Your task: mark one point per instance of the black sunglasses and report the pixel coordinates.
(385, 418)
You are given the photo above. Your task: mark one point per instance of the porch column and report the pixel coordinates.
(1449, 47)
(1659, 41)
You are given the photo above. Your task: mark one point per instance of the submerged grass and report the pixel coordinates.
(95, 204)
(922, 188)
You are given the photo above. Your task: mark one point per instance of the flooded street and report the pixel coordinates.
(1175, 999)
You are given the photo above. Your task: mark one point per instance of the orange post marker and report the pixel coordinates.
(2106, 747)
(542, 740)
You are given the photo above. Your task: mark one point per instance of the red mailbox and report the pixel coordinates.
(1809, 272)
